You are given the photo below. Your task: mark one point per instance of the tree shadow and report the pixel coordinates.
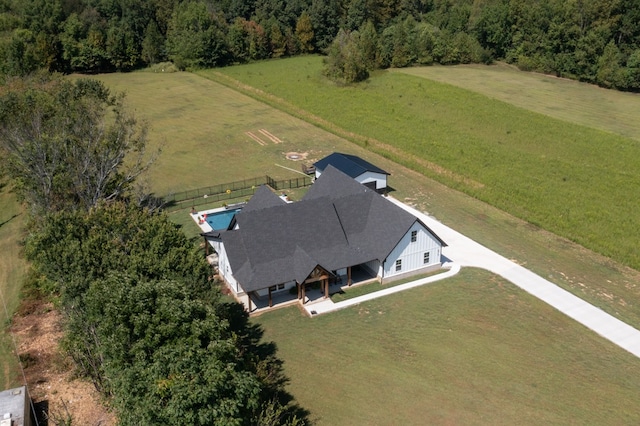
(41, 411)
(263, 357)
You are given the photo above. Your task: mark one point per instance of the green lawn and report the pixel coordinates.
(347, 293)
(575, 181)
(469, 350)
(595, 278)
(12, 270)
(569, 100)
(203, 126)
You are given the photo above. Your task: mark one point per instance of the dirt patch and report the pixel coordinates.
(296, 156)
(49, 373)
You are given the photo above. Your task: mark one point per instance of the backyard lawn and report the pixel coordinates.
(472, 349)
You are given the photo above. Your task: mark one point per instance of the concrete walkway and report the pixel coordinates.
(327, 305)
(463, 251)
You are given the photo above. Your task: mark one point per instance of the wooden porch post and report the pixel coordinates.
(326, 287)
(249, 297)
(206, 247)
(270, 301)
(349, 276)
(298, 287)
(304, 286)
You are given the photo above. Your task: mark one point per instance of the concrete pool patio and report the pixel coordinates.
(463, 251)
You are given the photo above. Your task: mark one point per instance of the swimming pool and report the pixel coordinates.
(221, 220)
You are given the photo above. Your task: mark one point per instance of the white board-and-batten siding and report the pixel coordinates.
(224, 269)
(379, 178)
(412, 254)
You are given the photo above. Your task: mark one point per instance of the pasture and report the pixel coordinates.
(469, 350)
(575, 181)
(568, 100)
(178, 106)
(170, 101)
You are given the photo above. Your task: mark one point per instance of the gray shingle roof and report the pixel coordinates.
(263, 198)
(351, 165)
(339, 223)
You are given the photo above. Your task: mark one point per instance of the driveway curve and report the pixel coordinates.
(466, 252)
(463, 251)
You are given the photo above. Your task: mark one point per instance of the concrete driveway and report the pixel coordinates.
(463, 251)
(466, 252)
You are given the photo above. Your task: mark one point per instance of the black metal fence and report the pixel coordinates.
(213, 190)
(289, 183)
(229, 191)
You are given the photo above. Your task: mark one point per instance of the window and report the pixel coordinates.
(414, 236)
(399, 265)
(426, 257)
(272, 288)
(281, 286)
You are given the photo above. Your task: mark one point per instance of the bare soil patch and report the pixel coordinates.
(49, 373)
(296, 156)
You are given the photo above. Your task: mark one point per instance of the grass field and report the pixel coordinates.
(470, 350)
(568, 100)
(12, 270)
(575, 181)
(578, 369)
(202, 128)
(165, 101)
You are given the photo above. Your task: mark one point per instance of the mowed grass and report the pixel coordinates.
(473, 349)
(568, 100)
(12, 272)
(202, 126)
(597, 279)
(577, 372)
(575, 181)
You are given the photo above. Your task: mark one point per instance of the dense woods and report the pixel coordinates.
(597, 41)
(144, 319)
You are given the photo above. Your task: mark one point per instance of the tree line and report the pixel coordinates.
(144, 319)
(597, 41)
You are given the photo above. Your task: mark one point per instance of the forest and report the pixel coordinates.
(596, 41)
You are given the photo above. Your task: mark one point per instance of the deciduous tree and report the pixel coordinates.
(304, 33)
(67, 142)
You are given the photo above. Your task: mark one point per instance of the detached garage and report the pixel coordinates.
(355, 167)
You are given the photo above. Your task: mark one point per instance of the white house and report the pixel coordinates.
(355, 167)
(339, 227)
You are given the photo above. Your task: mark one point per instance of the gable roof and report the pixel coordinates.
(263, 198)
(339, 223)
(351, 165)
(335, 184)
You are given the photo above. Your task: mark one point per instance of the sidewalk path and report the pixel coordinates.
(327, 305)
(463, 251)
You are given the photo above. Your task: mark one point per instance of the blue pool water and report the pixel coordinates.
(221, 220)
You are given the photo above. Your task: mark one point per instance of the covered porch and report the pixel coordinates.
(314, 289)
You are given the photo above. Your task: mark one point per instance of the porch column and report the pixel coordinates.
(249, 297)
(326, 287)
(206, 247)
(270, 301)
(349, 276)
(298, 287)
(304, 286)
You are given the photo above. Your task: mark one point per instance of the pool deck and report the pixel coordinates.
(199, 219)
